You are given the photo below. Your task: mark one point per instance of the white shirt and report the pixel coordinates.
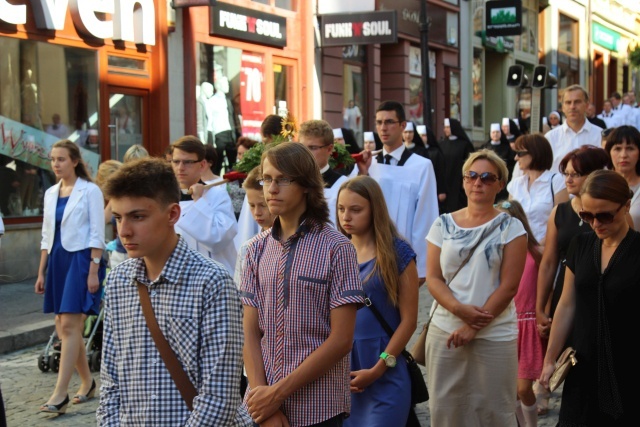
(209, 226)
(411, 197)
(624, 112)
(537, 201)
(610, 119)
(563, 139)
(479, 279)
(331, 194)
(218, 113)
(351, 116)
(61, 132)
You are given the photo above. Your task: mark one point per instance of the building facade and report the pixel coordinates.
(92, 72)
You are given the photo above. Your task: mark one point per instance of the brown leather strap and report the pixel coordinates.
(179, 376)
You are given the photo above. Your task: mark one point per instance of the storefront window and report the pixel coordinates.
(568, 61)
(454, 95)
(47, 93)
(283, 4)
(354, 108)
(230, 94)
(444, 26)
(283, 87)
(476, 81)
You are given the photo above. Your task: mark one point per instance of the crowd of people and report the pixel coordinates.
(266, 294)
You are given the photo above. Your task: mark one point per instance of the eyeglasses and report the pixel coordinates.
(602, 217)
(573, 175)
(486, 178)
(184, 162)
(521, 153)
(380, 123)
(280, 182)
(317, 147)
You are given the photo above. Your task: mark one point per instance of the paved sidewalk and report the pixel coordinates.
(22, 322)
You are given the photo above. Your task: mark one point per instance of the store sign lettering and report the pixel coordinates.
(249, 25)
(358, 28)
(127, 24)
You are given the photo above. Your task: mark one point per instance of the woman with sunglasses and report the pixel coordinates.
(600, 294)
(623, 147)
(538, 190)
(563, 224)
(475, 260)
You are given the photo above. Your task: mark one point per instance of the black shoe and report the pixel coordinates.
(83, 398)
(60, 408)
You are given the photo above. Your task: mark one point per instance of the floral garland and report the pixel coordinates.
(340, 157)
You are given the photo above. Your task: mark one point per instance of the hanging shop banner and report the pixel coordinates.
(503, 18)
(250, 25)
(605, 37)
(252, 91)
(33, 146)
(343, 29)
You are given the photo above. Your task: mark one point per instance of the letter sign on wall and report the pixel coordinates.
(342, 29)
(248, 25)
(137, 26)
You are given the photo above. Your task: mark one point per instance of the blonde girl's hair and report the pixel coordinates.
(105, 170)
(384, 232)
(135, 152)
(514, 208)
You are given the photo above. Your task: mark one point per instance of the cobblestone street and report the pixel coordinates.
(25, 388)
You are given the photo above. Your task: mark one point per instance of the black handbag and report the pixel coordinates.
(419, 392)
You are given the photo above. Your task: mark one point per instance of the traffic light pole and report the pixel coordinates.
(424, 56)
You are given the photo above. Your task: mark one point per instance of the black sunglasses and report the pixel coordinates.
(602, 217)
(485, 177)
(521, 153)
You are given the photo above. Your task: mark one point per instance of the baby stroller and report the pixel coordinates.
(50, 356)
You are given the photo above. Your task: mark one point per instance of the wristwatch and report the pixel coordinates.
(389, 359)
(96, 260)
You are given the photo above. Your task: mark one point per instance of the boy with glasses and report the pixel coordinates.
(300, 289)
(317, 136)
(207, 221)
(407, 180)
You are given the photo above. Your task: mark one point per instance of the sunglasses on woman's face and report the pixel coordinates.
(602, 217)
(486, 178)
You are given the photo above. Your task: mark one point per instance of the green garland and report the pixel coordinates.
(252, 157)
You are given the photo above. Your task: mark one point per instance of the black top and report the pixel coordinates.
(568, 224)
(509, 156)
(455, 154)
(598, 122)
(330, 177)
(605, 304)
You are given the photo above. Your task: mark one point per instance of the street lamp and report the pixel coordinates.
(425, 23)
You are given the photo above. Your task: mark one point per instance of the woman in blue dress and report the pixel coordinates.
(380, 382)
(71, 268)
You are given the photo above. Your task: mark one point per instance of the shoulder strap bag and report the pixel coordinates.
(418, 348)
(179, 376)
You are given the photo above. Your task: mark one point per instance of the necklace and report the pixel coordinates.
(611, 246)
(578, 213)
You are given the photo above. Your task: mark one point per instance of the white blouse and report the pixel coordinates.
(537, 201)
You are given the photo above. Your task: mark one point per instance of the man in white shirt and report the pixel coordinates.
(407, 180)
(57, 129)
(317, 136)
(207, 222)
(620, 109)
(576, 130)
(608, 115)
(633, 114)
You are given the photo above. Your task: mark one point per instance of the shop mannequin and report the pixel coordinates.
(203, 124)
(222, 125)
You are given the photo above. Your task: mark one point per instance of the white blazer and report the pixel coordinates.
(83, 220)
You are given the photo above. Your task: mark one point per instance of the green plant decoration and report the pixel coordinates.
(634, 57)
